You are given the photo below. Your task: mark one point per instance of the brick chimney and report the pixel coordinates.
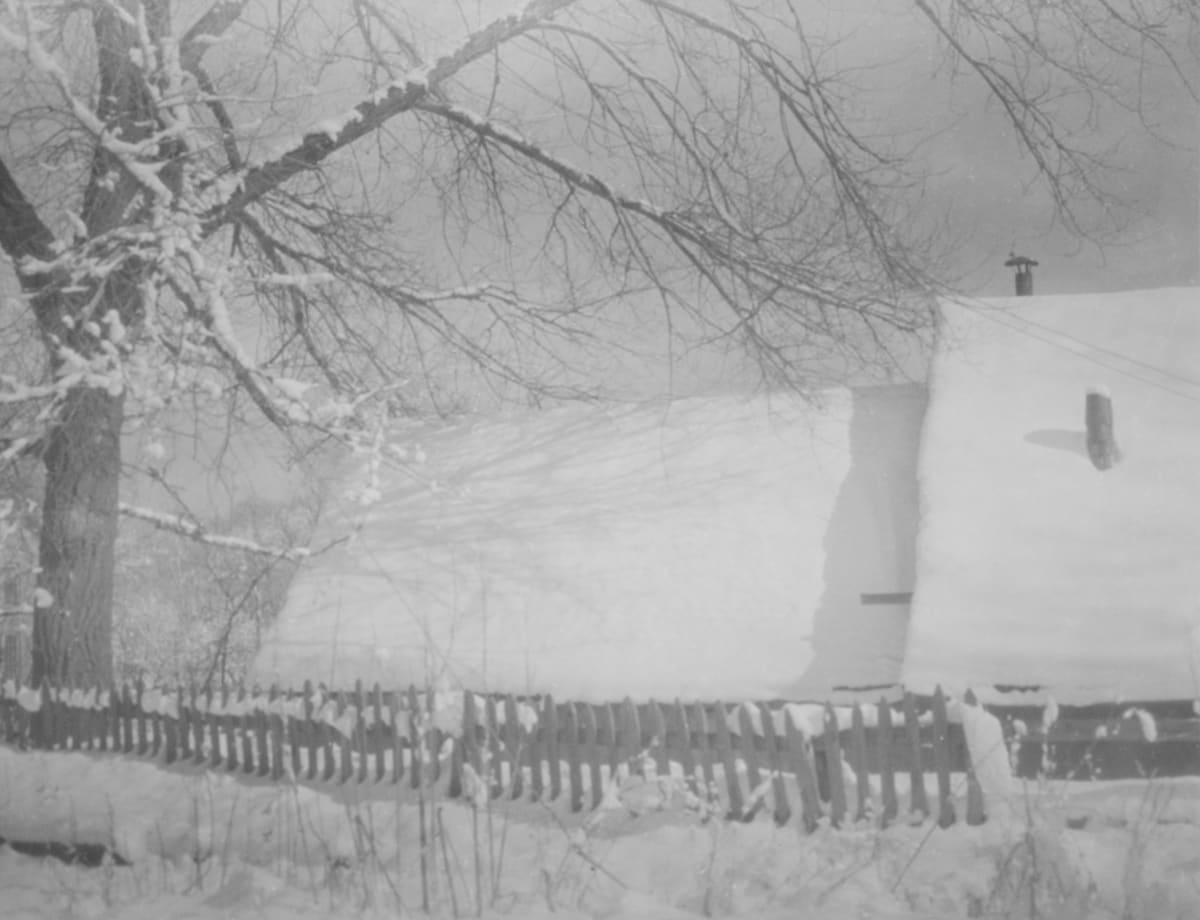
(1024, 277)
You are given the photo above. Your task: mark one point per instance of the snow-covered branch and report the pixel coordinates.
(208, 29)
(369, 115)
(187, 528)
(129, 154)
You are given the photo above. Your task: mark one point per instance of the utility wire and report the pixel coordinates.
(1093, 359)
(1182, 378)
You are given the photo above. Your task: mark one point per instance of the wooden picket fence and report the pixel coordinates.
(741, 761)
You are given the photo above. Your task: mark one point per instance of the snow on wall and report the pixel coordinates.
(705, 547)
(1035, 567)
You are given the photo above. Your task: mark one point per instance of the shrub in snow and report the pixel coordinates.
(29, 699)
(989, 755)
(475, 789)
(1146, 720)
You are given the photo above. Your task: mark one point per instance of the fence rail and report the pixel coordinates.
(795, 763)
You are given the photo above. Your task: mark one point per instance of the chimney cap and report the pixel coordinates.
(1019, 261)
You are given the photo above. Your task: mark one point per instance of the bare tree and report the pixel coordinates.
(306, 207)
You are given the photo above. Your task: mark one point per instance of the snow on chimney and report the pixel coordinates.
(1098, 417)
(1024, 278)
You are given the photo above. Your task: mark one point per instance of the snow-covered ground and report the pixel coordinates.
(210, 846)
(1034, 567)
(709, 547)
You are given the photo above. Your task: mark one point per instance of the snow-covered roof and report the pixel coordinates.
(711, 547)
(1036, 568)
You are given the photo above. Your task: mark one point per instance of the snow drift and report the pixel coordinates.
(703, 547)
(1035, 567)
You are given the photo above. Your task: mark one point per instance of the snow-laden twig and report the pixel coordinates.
(193, 531)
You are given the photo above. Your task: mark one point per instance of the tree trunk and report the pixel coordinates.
(72, 625)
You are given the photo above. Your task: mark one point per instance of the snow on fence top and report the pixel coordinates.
(1037, 568)
(699, 548)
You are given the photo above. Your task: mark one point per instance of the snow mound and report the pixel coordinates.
(1036, 568)
(705, 547)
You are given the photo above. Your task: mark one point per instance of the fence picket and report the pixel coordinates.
(656, 728)
(806, 776)
(42, 721)
(74, 721)
(698, 725)
(433, 737)
(678, 728)
(158, 726)
(941, 759)
(325, 732)
(114, 726)
(454, 787)
(471, 752)
(609, 730)
(398, 735)
(492, 722)
(244, 720)
(346, 739)
(197, 727)
(304, 734)
(125, 714)
(256, 723)
(276, 728)
(591, 751)
(97, 729)
(783, 809)
(858, 749)
(25, 725)
(360, 729)
(513, 748)
(749, 745)
(887, 769)
(183, 725)
(171, 726)
(631, 737)
(105, 719)
(918, 800)
(139, 718)
(550, 717)
(99, 724)
(976, 806)
(224, 746)
(416, 759)
(833, 766)
(574, 770)
(62, 719)
(537, 745)
(381, 734)
(728, 761)
(227, 731)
